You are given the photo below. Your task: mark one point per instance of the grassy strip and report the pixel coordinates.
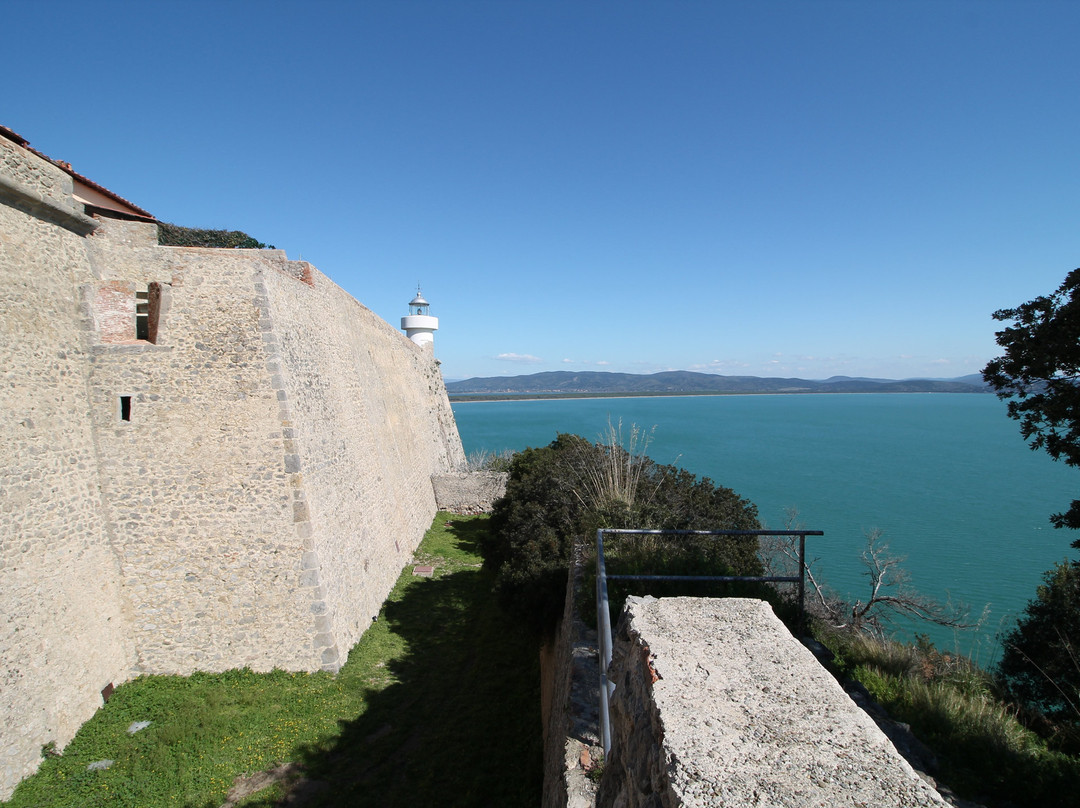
(438, 704)
(985, 753)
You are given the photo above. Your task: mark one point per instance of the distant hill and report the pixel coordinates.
(685, 382)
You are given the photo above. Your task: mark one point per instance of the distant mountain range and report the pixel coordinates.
(685, 382)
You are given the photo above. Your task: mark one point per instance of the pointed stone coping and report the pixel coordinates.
(423, 571)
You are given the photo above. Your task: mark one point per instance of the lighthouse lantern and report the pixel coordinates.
(418, 325)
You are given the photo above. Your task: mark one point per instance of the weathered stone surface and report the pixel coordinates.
(64, 626)
(239, 487)
(717, 704)
(469, 492)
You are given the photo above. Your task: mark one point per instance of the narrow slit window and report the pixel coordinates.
(125, 408)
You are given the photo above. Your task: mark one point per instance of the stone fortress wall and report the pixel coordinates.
(233, 474)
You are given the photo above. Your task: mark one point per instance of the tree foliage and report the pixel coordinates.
(1041, 661)
(562, 493)
(1039, 374)
(174, 235)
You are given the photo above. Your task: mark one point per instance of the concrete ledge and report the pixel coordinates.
(41, 206)
(717, 704)
(468, 492)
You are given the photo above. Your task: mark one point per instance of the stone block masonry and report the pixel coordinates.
(717, 704)
(64, 626)
(469, 492)
(212, 459)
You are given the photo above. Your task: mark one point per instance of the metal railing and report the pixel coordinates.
(603, 613)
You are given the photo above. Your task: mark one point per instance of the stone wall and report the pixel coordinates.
(235, 480)
(569, 687)
(200, 493)
(65, 629)
(370, 424)
(469, 492)
(716, 703)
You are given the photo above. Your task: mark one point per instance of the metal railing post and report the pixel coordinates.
(604, 639)
(603, 613)
(802, 582)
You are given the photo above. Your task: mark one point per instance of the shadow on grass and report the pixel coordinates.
(459, 724)
(468, 534)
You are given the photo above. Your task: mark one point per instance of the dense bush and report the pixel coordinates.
(562, 493)
(173, 235)
(1041, 662)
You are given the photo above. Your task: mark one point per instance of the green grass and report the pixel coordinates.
(985, 753)
(438, 704)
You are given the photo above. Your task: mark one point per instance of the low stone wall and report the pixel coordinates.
(717, 704)
(570, 676)
(468, 492)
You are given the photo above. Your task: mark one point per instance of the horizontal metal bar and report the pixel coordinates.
(625, 531)
(607, 687)
(782, 579)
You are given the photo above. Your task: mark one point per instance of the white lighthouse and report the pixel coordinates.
(418, 325)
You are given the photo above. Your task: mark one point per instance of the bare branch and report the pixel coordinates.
(889, 593)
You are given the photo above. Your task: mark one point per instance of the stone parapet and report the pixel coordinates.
(468, 492)
(39, 189)
(716, 703)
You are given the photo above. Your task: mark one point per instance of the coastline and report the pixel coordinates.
(465, 398)
(468, 397)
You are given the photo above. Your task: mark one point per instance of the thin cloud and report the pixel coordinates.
(527, 359)
(651, 367)
(717, 365)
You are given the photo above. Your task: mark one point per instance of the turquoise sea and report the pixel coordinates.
(946, 477)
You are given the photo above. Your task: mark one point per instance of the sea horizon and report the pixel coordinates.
(945, 476)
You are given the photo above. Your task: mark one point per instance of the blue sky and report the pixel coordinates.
(761, 188)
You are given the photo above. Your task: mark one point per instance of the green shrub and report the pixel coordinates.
(560, 494)
(699, 556)
(1040, 666)
(173, 235)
